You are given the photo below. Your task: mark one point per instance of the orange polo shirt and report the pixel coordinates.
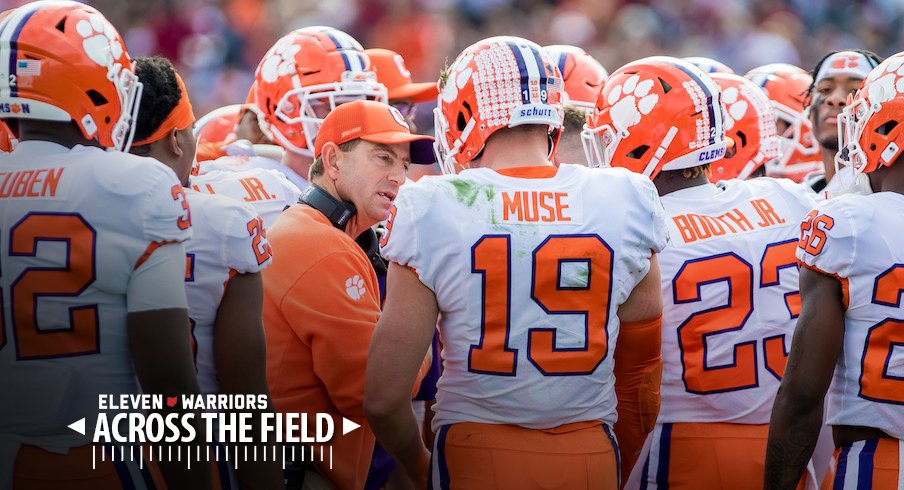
(321, 305)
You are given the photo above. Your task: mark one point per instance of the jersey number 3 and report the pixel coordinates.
(491, 257)
(80, 336)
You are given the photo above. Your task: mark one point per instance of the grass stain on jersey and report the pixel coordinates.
(583, 277)
(579, 278)
(466, 191)
(490, 192)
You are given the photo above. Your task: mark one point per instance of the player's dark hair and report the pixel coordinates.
(694, 172)
(161, 94)
(574, 120)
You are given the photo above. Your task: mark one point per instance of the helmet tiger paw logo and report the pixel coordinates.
(450, 88)
(886, 84)
(99, 40)
(280, 61)
(631, 101)
(735, 106)
(354, 287)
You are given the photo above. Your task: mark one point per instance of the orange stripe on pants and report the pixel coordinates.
(488, 456)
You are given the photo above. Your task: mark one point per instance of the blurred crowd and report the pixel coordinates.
(218, 43)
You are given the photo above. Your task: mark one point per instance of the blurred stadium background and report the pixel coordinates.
(216, 44)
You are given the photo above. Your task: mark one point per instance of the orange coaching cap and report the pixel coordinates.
(375, 122)
(391, 72)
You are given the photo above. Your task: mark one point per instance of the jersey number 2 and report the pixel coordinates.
(737, 273)
(80, 336)
(876, 383)
(491, 257)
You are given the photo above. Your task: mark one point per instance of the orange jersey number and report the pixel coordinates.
(875, 383)
(813, 232)
(257, 233)
(693, 332)
(491, 258)
(779, 256)
(698, 376)
(178, 194)
(80, 336)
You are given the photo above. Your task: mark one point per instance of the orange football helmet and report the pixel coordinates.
(499, 82)
(870, 132)
(786, 86)
(584, 76)
(751, 126)
(304, 76)
(708, 65)
(218, 124)
(63, 61)
(654, 114)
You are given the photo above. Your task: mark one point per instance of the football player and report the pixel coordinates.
(729, 282)
(584, 77)
(305, 75)
(535, 278)
(786, 87)
(224, 257)
(851, 322)
(92, 257)
(229, 142)
(835, 77)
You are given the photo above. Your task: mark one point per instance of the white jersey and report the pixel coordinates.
(856, 239)
(729, 281)
(268, 191)
(238, 163)
(74, 226)
(845, 181)
(228, 238)
(528, 275)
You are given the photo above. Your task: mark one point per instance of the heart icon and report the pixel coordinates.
(171, 401)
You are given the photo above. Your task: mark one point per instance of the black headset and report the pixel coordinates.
(339, 212)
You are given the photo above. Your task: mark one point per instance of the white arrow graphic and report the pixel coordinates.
(347, 425)
(78, 426)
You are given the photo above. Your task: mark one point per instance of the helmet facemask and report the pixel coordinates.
(600, 144)
(129, 90)
(306, 107)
